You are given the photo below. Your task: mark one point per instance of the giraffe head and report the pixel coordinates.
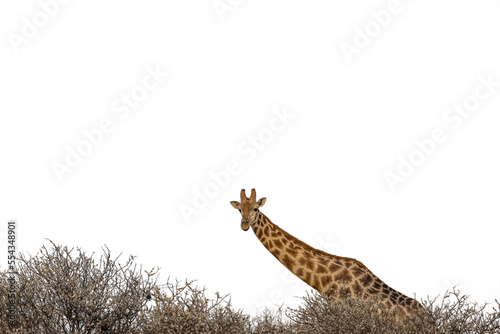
(249, 208)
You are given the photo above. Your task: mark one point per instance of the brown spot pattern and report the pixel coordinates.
(356, 288)
(344, 276)
(320, 269)
(326, 280)
(366, 280)
(317, 281)
(334, 267)
(323, 261)
(278, 244)
(310, 264)
(358, 272)
(325, 272)
(287, 261)
(292, 252)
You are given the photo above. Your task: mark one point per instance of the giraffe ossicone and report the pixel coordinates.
(330, 275)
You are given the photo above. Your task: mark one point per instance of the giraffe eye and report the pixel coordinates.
(239, 210)
(255, 210)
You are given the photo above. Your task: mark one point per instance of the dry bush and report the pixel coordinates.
(183, 308)
(270, 321)
(320, 314)
(455, 314)
(65, 291)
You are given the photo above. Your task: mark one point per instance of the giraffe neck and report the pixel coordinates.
(306, 262)
(325, 272)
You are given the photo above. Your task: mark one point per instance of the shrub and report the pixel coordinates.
(185, 309)
(63, 290)
(320, 314)
(66, 291)
(270, 321)
(455, 314)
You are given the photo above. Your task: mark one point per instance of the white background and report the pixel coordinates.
(322, 174)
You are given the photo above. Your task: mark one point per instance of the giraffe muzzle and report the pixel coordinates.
(245, 225)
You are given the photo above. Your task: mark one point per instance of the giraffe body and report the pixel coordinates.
(330, 275)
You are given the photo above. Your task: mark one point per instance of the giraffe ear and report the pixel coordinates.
(235, 204)
(261, 202)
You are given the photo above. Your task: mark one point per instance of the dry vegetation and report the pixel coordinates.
(62, 290)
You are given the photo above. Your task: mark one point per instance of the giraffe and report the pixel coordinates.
(330, 275)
